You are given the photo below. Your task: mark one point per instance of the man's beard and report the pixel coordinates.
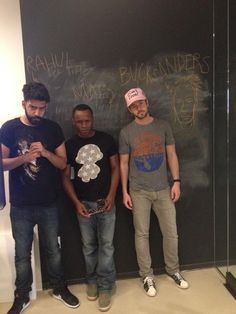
(34, 120)
(143, 115)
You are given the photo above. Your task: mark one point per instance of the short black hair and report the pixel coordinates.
(36, 91)
(81, 107)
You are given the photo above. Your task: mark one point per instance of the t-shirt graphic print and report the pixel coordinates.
(31, 168)
(88, 155)
(148, 154)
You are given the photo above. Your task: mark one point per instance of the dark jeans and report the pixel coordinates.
(23, 220)
(97, 236)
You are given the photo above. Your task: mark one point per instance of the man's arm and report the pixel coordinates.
(12, 163)
(124, 171)
(115, 176)
(58, 158)
(69, 188)
(174, 169)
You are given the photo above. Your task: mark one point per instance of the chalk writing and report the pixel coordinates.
(53, 64)
(148, 72)
(93, 92)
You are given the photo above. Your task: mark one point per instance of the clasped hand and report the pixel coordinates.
(36, 150)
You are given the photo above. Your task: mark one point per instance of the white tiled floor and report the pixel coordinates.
(207, 295)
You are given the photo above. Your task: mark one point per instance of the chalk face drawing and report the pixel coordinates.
(176, 86)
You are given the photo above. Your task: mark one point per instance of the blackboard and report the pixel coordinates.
(93, 52)
(232, 137)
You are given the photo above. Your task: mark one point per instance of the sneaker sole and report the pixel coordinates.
(104, 309)
(92, 298)
(69, 305)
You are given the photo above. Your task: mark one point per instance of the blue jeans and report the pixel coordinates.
(23, 220)
(97, 236)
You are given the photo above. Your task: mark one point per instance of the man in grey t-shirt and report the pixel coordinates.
(145, 145)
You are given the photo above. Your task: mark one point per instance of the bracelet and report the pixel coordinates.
(176, 180)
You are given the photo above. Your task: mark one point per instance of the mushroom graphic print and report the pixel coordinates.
(88, 155)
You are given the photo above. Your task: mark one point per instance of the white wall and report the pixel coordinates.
(12, 79)
(12, 75)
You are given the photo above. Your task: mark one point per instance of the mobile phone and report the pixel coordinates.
(98, 209)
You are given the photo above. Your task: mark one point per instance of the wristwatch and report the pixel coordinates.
(176, 180)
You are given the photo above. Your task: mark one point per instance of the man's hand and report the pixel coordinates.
(127, 201)
(109, 203)
(31, 155)
(38, 147)
(81, 209)
(175, 191)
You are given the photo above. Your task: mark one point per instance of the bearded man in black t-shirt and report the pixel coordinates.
(93, 156)
(33, 151)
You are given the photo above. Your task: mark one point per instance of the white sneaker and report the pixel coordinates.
(149, 286)
(179, 280)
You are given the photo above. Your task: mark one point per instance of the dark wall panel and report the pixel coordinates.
(232, 134)
(93, 52)
(220, 132)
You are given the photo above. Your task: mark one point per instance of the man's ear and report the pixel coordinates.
(129, 109)
(23, 103)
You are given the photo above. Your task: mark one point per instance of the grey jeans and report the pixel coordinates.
(164, 209)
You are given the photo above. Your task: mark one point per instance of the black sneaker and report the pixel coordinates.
(19, 305)
(66, 297)
(179, 280)
(149, 286)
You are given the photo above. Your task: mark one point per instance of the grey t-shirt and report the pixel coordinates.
(146, 145)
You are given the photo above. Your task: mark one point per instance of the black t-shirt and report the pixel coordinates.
(37, 182)
(90, 160)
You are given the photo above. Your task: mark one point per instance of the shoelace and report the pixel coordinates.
(149, 282)
(178, 277)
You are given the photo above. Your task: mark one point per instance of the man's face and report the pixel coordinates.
(139, 109)
(34, 110)
(186, 101)
(83, 121)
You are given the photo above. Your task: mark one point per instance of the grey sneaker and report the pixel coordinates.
(19, 305)
(92, 292)
(104, 301)
(149, 286)
(179, 280)
(113, 290)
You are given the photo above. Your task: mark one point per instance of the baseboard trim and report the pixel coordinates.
(230, 284)
(135, 274)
